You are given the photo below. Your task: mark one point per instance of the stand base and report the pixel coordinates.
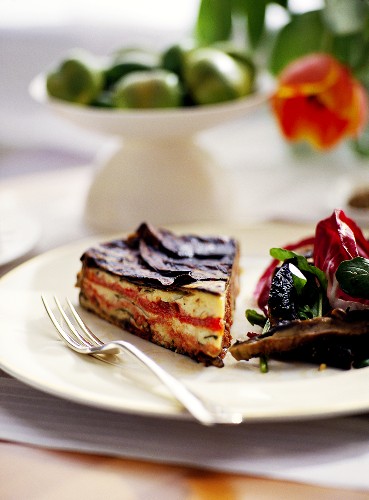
(162, 182)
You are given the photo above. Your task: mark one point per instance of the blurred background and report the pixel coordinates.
(35, 34)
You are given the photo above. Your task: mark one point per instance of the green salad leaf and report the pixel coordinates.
(299, 280)
(309, 282)
(353, 277)
(255, 318)
(301, 262)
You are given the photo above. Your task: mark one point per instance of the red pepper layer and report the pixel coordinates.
(152, 326)
(159, 307)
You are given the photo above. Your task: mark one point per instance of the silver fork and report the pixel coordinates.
(86, 342)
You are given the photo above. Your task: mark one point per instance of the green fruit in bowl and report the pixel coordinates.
(128, 60)
(103, 100)
(79, 79)
(174, 56)
(148, 89)
(212, 76)
(238, 53)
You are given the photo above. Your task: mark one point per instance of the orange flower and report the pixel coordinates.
(318, 100)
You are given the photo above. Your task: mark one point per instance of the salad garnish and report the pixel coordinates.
(313, 300)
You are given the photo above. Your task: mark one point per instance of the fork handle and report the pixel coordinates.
(191, 402)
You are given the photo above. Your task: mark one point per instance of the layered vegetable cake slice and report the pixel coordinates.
(177, 291)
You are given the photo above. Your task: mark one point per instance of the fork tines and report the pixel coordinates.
(74, 339)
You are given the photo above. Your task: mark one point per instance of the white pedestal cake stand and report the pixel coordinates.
(159, 173)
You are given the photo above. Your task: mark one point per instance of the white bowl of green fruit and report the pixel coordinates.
(157, 102)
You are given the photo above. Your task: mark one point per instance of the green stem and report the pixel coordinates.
(263, 364)
(326, 42)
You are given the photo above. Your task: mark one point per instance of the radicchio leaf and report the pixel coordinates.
(339, 238)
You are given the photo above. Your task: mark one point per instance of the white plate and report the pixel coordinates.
(31, 351)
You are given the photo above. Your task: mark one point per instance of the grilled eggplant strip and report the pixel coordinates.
(341, 336)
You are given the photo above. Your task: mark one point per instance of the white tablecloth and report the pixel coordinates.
(332, 452)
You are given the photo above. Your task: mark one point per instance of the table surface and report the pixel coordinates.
(44, 474)
(29, 472)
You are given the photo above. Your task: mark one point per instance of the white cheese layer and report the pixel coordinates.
(193, 302)
(115, 298)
